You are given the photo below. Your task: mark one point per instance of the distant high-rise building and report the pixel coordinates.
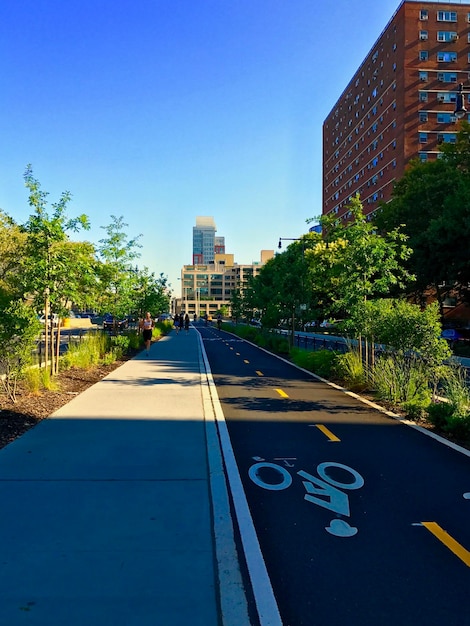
(204, 240)
(219, 245)
(399, 105)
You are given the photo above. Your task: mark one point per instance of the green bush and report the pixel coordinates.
(453, 415)
(321, 362)
(135, 339)
(277, 343)
(120, 343)
(88, 352)
(401, 380)
(38, 378)
(350, 369)
(439, 414)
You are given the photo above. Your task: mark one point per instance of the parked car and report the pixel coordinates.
(53, 319)
(255, 322)
(310, 326)
(164, 317)
(110, 323)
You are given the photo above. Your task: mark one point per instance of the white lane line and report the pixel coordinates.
(266, 604)
(233, 601)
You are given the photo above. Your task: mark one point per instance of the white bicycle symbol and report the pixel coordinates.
(322, 490)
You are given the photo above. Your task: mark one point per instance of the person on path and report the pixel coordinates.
(147, 327)
(186, 323)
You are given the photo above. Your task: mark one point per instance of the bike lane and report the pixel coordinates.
(341, 497)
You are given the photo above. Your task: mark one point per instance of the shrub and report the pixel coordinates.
(32, 379)
(277, 343)
(401, 380)
(321, 362)
(453, 416)
(350, 369)
(87, 353)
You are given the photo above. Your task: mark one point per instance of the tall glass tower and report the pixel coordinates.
(204, 240)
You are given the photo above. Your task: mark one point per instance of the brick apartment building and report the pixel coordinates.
(399, 105)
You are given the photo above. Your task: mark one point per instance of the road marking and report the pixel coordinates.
(259, 373)
(327, 432)
(283, 394)
(245, 361)
(453, 545)
(237, 353)
(265, 600)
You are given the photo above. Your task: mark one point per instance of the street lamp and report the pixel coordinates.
(460, 110)
(286, 239)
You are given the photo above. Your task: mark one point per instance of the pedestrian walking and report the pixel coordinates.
(146, 326)
(186, 323)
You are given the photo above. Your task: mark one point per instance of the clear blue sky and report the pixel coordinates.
(162, 110)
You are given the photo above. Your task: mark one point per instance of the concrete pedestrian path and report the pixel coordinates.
(114, 510)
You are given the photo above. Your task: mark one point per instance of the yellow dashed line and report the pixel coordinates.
(259, 373)
(283, 394)
(326, 431)
(453, 545)
(245, 361)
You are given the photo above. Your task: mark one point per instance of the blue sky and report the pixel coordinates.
(162, 110)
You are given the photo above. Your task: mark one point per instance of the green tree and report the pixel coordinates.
(281, 289)
(150, 293)
(12, 242)
(48, 268)
(354, 263)
(19, 329)
(412, 339)
(432, 203)
(117, 253)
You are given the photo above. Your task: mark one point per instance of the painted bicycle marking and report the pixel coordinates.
(322, 490)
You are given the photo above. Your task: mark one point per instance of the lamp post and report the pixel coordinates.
(281, 239)
(460, 110)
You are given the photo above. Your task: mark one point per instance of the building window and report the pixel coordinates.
(423, 76)
(423, 96)
(423, 55)
(447, 77)
(423, 35)
(423, 116)
(423, 14)
(423, 156)
(446, 16)
(446, 35)
(444, 118)
(468, 57)
(447, 57)
(446, 96)
(423, 138)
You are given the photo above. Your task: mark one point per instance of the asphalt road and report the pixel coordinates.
(361, 519)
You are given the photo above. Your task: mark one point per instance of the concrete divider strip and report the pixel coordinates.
(233, 599)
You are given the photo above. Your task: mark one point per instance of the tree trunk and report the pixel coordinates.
(46, 332)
